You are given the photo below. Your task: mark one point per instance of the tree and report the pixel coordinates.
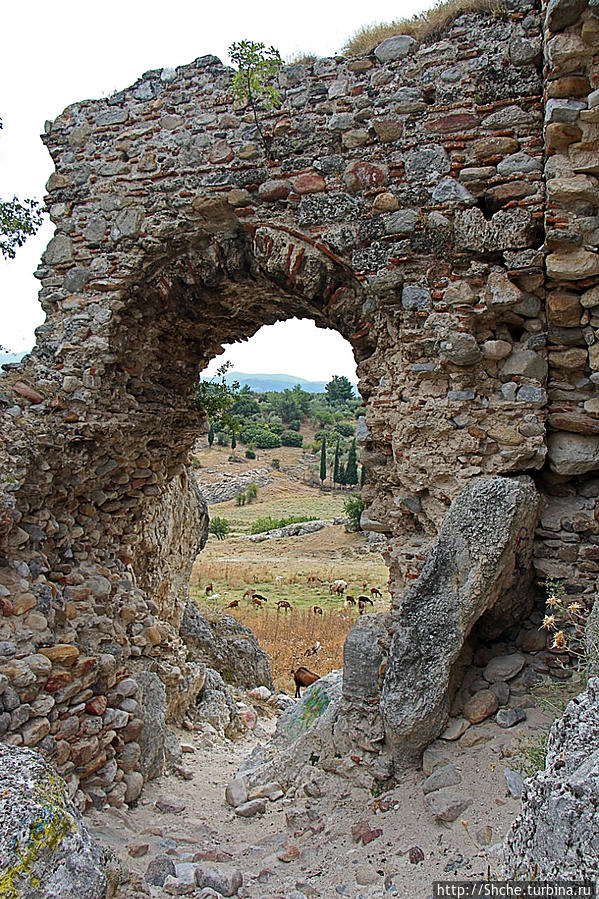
(351, 470)
(18, 221)
(253, 81)
(354, 506)
(215, 398)
(220, 527)
(336, 465)
(323, 461)
(339, 390)
(233, 440)
(251, 492)
(211, 435)
(362, 476)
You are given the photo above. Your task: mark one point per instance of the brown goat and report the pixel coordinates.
(233, 605)
(303, 677)
(374, 591)
(350, 600)
(260, 597)
(283, 604)
(249, 593)
(209, 589)
(317, 610)
(257, 602)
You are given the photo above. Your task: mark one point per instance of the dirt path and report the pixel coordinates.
(302, 846)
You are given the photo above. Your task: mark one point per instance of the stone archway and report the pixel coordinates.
(403, 204)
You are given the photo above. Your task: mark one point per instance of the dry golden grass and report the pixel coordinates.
(286, 636)
(427, 25)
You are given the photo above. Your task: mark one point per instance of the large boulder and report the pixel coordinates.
(227, 646)
(45, 849)
(480, 563)
(557, 833)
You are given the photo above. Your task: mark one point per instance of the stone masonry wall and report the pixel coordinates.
(403, 203)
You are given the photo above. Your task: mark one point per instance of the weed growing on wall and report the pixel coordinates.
(253, 82)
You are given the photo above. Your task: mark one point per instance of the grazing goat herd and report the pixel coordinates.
(336, 588)
(302, 676)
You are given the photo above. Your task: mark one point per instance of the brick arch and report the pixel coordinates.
(403, 203)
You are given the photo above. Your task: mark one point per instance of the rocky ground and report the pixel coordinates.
(182, 838)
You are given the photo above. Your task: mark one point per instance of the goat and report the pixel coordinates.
(349, 601)
(215, 596)
(233, 605)
(374, 591)
(314, 579)
(317, 610)
(209, 589)
(260, 597)
(339, 586)
(283, 604)
(257, 602)
(313, 649)
(303, 677)
(362, 600)
(249, 593)
(278, 581)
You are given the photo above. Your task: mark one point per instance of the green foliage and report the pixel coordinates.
(351, 469)
(323, 460)
(345, 428)
(250, 454)
(261, 437)
(19, 219)
(220, 527)
(211, 435)
(251, 492)
(222, 439)
(253, 82)
(215, 399)
(269, 524)
(339, 390)
(531, 754)
(336, 464)
(233, 441)
(362, 476)
(195, 463)
(354, 506)
(291, 438)
(276, 464)
(241, 499)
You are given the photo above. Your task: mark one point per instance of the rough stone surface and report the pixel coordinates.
(45, 849)
(227, 646)
(473, 567)
(557, 833)
(173, 237)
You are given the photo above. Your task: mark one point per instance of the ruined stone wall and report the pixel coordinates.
(567, 542)
(402, 202)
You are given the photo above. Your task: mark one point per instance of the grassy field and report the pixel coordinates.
(297, 570)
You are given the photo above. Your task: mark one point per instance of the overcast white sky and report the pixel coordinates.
(55, 53)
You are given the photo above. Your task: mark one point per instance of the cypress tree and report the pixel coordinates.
(362, 476)
(341, 475)
(323, 461)
(336, 465)
(351, 470)
(211, 435)
(233, 440)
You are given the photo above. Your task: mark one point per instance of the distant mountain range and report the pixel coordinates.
(259, 383)
(264, 383)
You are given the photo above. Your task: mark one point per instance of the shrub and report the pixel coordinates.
(250, 454)
(276, 463)
(291, 438)
(220, 527)
(345, 428)
(354, 506)
(241, 499)
(269, 523)
(195, 462)
(251, 492)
